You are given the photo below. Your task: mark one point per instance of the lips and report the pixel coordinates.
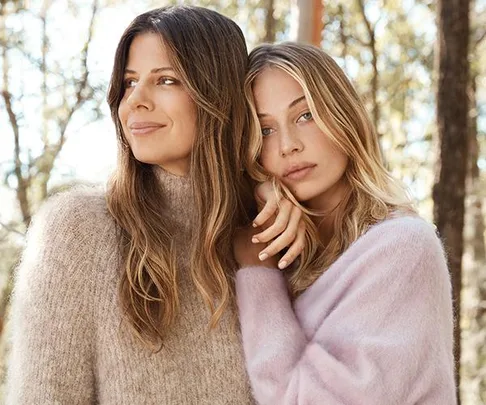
(298, 171)
(141, 128)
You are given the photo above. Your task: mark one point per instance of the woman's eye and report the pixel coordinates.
(167, 80)
(129, 83)
(266, 131)
(305, 117)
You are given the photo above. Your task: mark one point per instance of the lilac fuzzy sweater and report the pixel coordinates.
(374, 329)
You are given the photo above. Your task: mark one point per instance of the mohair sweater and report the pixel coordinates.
(374, 329)
(69, 344)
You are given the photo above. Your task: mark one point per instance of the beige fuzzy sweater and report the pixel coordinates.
(69, 344)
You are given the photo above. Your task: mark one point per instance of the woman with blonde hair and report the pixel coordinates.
(128, 297)
(366, 316)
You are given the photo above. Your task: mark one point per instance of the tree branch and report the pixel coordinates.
(83, 83)
(7, 97)
(11, 229)
(372, 45)
(478, 41)
(369, 28)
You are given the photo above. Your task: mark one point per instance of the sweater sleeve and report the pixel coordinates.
(376, 328)
(51, 318)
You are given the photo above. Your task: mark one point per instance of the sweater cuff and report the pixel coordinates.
(259, 275)
(261, 286)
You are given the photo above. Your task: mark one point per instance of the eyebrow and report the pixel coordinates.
(292, 104)
(156, 70)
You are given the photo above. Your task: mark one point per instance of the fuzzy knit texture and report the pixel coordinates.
(69, 344)
(374, 329)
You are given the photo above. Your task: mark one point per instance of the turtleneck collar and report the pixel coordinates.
(179, 201)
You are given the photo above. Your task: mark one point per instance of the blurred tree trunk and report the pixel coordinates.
(477, 241)
(269, 21)
(343, 36)
(310, 27)
(452, 124)
(371, 45)
(475, 214)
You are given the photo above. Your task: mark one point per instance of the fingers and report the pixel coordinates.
(295, 249)
(293, 237)
(266, 213)
(264, 192)
(267, 198)
(279, 225)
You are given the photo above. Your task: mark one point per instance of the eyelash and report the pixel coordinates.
(298, 119)
(126, 83)
(263, 129)
(305, 119)
(162, 80)
(170, 79)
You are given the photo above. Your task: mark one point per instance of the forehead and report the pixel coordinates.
(148, 49)
(274, 89)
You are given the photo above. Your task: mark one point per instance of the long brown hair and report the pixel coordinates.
(208, 52)
(373, 194)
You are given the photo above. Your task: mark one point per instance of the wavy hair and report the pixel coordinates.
(209, 53)
(373, 194)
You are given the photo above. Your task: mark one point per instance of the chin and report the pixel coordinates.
(303, 195)
(148, 158)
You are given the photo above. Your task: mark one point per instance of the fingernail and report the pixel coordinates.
(255, 240)
(282, 265)
(262, 256)
(254, 225)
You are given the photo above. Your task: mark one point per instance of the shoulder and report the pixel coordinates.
(407, 245)
(69, 230)
(77, 203)
(78, 212)
(406, 233)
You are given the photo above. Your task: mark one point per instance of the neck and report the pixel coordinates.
(327, 201)
(328, 205)
(325, 227)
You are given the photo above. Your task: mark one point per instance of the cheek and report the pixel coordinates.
(192, 112)
(183, 109)
(268, 157)
(122, 112)
(189, 120)
(344, 164)
(186, 115)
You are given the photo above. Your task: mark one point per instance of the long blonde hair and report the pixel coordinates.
(338, 111)
(208, 52)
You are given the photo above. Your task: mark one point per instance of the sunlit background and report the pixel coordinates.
(56, 59)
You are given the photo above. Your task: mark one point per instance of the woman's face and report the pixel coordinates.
(157, 114)
(294, 148)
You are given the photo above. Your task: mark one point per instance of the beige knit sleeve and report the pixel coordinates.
(51, 359)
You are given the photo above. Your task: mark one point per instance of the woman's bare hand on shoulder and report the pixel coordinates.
(279, 225)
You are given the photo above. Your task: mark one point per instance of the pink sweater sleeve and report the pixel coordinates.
(375, 329)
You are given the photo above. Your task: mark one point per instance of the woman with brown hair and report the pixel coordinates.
(111, 297)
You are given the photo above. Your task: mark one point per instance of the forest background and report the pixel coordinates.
(419, 65)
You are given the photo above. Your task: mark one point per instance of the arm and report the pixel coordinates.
(375, 329)
(51, 313)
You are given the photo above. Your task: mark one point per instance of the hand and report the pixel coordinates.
(287, 229)
(247, 253)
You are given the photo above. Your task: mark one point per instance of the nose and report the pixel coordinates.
(290, 143)
(140, 98)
